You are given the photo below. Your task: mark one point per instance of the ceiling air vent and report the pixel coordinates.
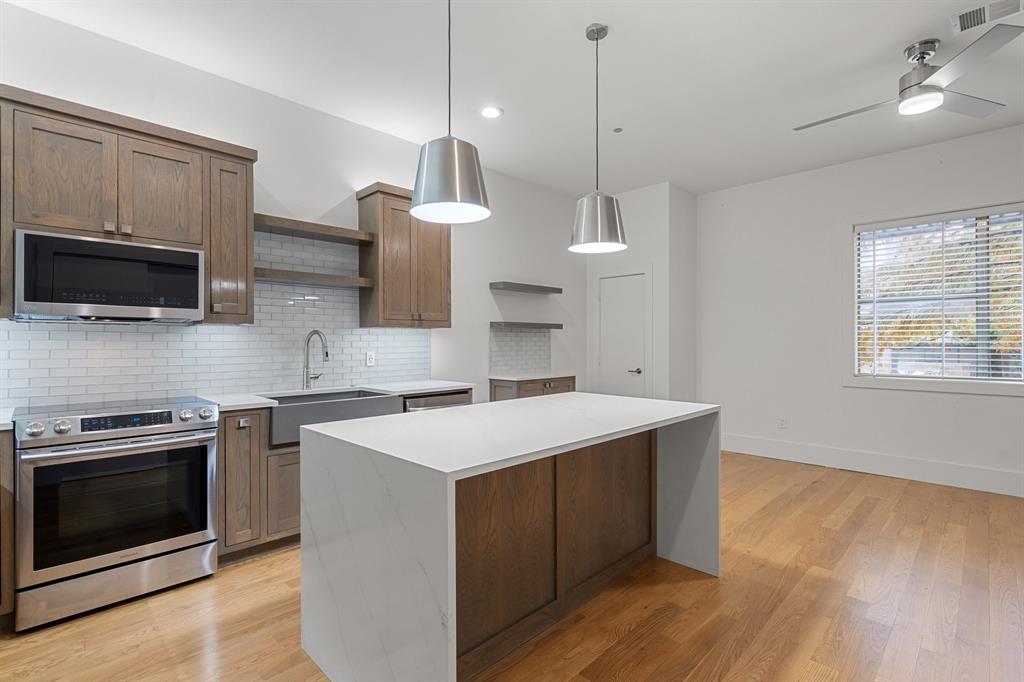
(984, 14)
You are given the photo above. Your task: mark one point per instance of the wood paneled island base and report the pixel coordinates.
(536, 540)
(435, 543)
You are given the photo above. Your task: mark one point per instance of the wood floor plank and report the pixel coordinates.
(827, 576)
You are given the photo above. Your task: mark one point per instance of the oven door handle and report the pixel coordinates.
(68, 454)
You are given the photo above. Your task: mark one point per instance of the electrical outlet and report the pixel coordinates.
(781, 424)
(371, 358)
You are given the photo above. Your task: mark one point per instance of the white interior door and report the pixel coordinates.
(622, 335)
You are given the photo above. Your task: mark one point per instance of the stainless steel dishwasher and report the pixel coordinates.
(436, 401)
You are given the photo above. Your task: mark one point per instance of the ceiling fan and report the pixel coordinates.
(924, 87)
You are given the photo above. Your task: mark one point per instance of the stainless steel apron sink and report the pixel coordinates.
(293, 411)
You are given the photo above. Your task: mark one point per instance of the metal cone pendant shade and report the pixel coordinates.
(449, 180)
(449, 183)
(598, 224)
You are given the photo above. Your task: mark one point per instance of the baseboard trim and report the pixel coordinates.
(999, 481)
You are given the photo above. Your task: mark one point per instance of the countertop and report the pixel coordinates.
(252, 401)
(531, 376)
(6, 413)
(494, 435)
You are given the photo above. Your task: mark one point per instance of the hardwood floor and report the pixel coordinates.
(827, 575)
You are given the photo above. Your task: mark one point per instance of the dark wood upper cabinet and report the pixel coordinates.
(68, 167)
(398, 296)
(65, 174)
(160, 191)
(230, 258)
(433, 258)
(410, 262)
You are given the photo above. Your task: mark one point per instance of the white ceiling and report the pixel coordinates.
(707, 92)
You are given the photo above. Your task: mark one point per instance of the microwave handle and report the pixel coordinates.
(73, 454)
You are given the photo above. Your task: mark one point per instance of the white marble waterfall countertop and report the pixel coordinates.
(471, 439)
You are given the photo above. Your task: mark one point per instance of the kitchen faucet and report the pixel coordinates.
(307, 377)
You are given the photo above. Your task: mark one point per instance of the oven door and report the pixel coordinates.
(84, 278)
(83, 508)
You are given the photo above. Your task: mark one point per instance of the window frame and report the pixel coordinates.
(850, 378)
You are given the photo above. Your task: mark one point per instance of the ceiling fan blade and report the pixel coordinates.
(848, 113)
(972, 55)
(969, 105)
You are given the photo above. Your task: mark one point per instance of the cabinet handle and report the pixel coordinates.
(109, 226)
(126, 228)
(218, 307)
(243, 422)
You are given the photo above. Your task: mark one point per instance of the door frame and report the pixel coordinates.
(594, 323)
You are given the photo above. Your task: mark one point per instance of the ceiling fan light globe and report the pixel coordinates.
(921, 100)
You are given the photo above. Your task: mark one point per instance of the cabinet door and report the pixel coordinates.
(240, 440)
(528, 389)
(160, 191)
(433, 255)
(65, 174)
(230, 250)
(398, 276)
(560, 386)
(282, 493)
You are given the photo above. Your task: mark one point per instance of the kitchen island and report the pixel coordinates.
(435, 543)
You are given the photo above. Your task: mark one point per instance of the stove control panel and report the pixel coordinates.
(126, 421)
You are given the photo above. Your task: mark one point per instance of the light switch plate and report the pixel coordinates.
(371, 358)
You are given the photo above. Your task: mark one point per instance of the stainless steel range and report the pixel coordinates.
(112, 501)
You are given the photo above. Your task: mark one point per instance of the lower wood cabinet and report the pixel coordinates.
(507, 389)
(282, 493)
(239, 480)
(536, 540)
(258, 485)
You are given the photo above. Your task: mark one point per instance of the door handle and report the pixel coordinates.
(635, 371)
(109, 226)
(126, 228)
(218, 307)
(243, 423)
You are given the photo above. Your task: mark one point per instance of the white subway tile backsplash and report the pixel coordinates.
(519, 351)
(44, 363)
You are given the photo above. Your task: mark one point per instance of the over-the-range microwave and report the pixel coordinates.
(59, 277)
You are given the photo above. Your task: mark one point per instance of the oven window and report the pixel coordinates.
(91, 508)
(97, 272)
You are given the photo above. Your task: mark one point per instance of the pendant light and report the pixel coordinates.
(598, 224)
(449, 181)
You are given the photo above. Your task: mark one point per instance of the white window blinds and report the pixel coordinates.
(942, 298)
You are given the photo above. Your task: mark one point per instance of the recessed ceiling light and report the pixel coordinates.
(491, 112)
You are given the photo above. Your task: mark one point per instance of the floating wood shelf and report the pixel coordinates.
(301, 228)
(312, 278)
(526, 325)
(524, 288)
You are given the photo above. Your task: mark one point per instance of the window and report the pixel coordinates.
(940, 297)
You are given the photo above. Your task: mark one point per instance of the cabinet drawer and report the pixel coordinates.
(560, 386)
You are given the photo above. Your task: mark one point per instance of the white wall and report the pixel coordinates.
(683, 284)
(661, 230)
(525, 240)
(310, 166)
(771, 332)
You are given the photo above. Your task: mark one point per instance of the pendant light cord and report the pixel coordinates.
(449, 68)
(597, 110)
